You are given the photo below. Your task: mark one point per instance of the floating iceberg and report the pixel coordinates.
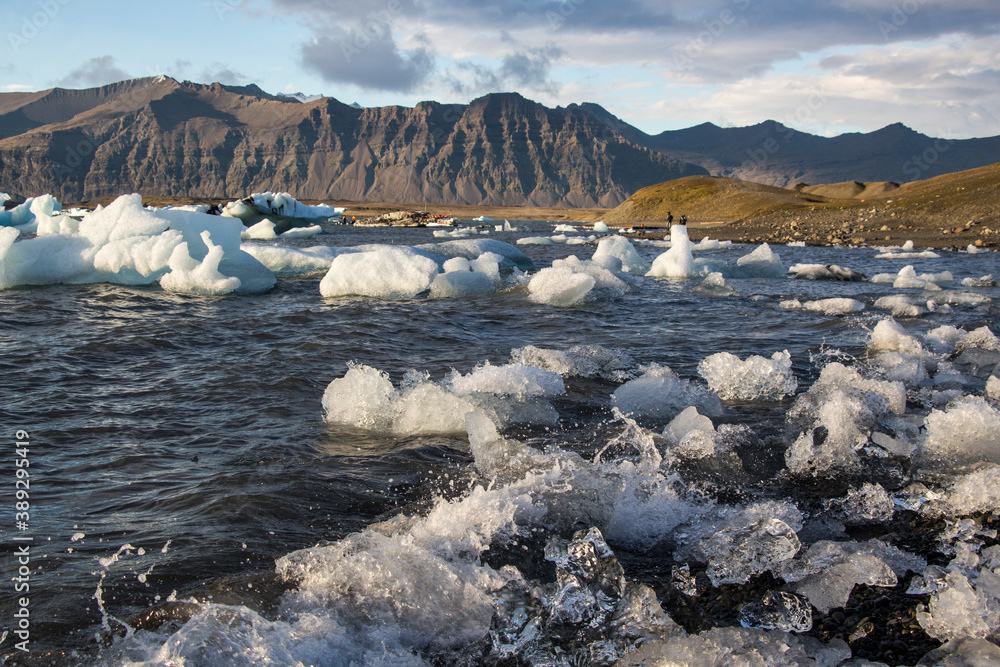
(386, 273)
(678, 262)
(620, 248)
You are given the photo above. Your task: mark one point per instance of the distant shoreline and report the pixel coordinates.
(816, 227)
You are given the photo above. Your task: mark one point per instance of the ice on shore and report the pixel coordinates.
(756, 379)
(965, 433)
(600, 227)
(620, 248)
(835, 418)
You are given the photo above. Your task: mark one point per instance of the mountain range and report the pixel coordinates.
(159, 136)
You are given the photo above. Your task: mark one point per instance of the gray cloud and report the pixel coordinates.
(524, 69)
(220, 73)
(95, 72)
(369, 60)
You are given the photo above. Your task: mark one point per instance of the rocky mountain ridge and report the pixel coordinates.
(159, 136)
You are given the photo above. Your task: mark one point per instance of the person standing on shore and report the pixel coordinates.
(670, 218)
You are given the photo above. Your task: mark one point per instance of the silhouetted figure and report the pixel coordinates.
(684, 220)
(670, 218)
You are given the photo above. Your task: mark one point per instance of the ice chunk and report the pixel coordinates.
(908, 279)
(834, 306)
(365, 398)
(778, 610)
(57, 224)
(302, 232)
(278, 204)
(28, 214)
(262, 231)
(735, 554)
(900, 306)
(888, 335)
(189, 276)
(460, 284)
(387, 273)
(472, 249)
(285, 261)
(756, 379)
(714, 285)
(869, 504)
(836, 416)
(982, 281)
(965, 651)
(44, 260)
(832, 586)
(720, 647)
(825, 272)
(580, 361)
(663, 395)
(981, 338)
(993, 389)
(560, 286)
(600, 227)
(137, 260)
(966, 433)
(678, 262)
(959, 611)
(761, 263)
(536, 240)
(972, 493)
(509, 380)
(493, 453)
(620, 248)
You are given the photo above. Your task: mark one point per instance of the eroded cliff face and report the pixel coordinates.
(159, 136)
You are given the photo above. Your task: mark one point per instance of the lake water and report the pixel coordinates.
(178, 449)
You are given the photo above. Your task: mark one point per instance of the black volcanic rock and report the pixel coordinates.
(162, 137)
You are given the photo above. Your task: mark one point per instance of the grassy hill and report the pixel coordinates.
(951, 209)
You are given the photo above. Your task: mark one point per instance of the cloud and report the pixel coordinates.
(369, 60)
(95, 72)
(221, 73)
(523, 69)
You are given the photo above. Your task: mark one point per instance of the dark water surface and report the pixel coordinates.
(191, 428)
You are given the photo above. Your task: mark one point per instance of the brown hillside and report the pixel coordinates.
(950, 210)
(708, 198)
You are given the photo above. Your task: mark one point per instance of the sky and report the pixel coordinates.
(825, 67)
